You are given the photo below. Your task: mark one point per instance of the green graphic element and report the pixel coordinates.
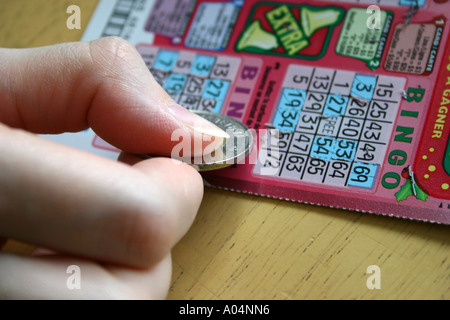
(360, 42)
(410, 188)
(446, 161)
(289, 32)
(315, 18)
(257, 38)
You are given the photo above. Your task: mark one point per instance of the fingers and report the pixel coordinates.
(130, 158)
(66, 277)
(103, 84)
(74, 202)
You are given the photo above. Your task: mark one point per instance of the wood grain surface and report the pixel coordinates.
(249, 247)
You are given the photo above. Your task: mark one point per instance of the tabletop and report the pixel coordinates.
(249, 247)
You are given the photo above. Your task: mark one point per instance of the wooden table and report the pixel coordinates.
(249, 247)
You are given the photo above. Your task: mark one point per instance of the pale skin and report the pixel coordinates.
(117, 221)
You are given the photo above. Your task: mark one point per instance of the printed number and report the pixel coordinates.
(189, 102)
(300, 79)
(324, 141)
(293, 162)
(339, 102)
(176, 84)
(335, 102)
(321, 83)
(316, 99)
(307, 119)
(292, 97)
(288, 118)
(361, 174)
(339, 169)
(346, 85)
(285, 123)
(378, 111)
(216, 87)
(278, 141)
(360, 86)
(269, 163)
(302, 139)
(383, 92)
(358, 110)
(289, 114)
(183, 64)
(167, 63)
(323, 146)
(374, 64)
(345, 149)
(208, 104)
(202, 67)
(349, 131)
(317, 96)
(272, 163)
(280, 144)
(317, 166)
(368, 152)
(195, 85)
(221, 70)
(370, 134)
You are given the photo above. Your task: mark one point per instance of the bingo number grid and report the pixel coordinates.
(334, 127)
(195, 81)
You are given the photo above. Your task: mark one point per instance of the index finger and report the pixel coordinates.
(103, 84)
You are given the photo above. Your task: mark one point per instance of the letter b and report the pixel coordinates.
(249, 72)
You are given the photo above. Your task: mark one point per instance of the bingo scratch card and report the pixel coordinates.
(349, 100)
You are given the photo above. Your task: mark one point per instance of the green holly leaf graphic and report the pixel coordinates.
(420, 194)
(407, 190)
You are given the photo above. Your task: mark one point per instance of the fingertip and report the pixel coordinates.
(174, 172)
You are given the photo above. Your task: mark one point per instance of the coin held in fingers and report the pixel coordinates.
(234, 149)
(219, 154)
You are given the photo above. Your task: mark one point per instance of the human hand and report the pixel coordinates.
(117, 221)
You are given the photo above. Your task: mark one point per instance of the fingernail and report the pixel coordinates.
(195, 122)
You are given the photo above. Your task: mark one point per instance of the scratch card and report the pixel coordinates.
(350, 104)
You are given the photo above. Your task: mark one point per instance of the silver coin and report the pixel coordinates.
(234, 149)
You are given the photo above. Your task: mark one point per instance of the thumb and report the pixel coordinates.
(103, 84)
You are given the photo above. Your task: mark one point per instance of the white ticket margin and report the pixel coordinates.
(134, 30)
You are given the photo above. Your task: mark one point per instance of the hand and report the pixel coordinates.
(117, 221)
